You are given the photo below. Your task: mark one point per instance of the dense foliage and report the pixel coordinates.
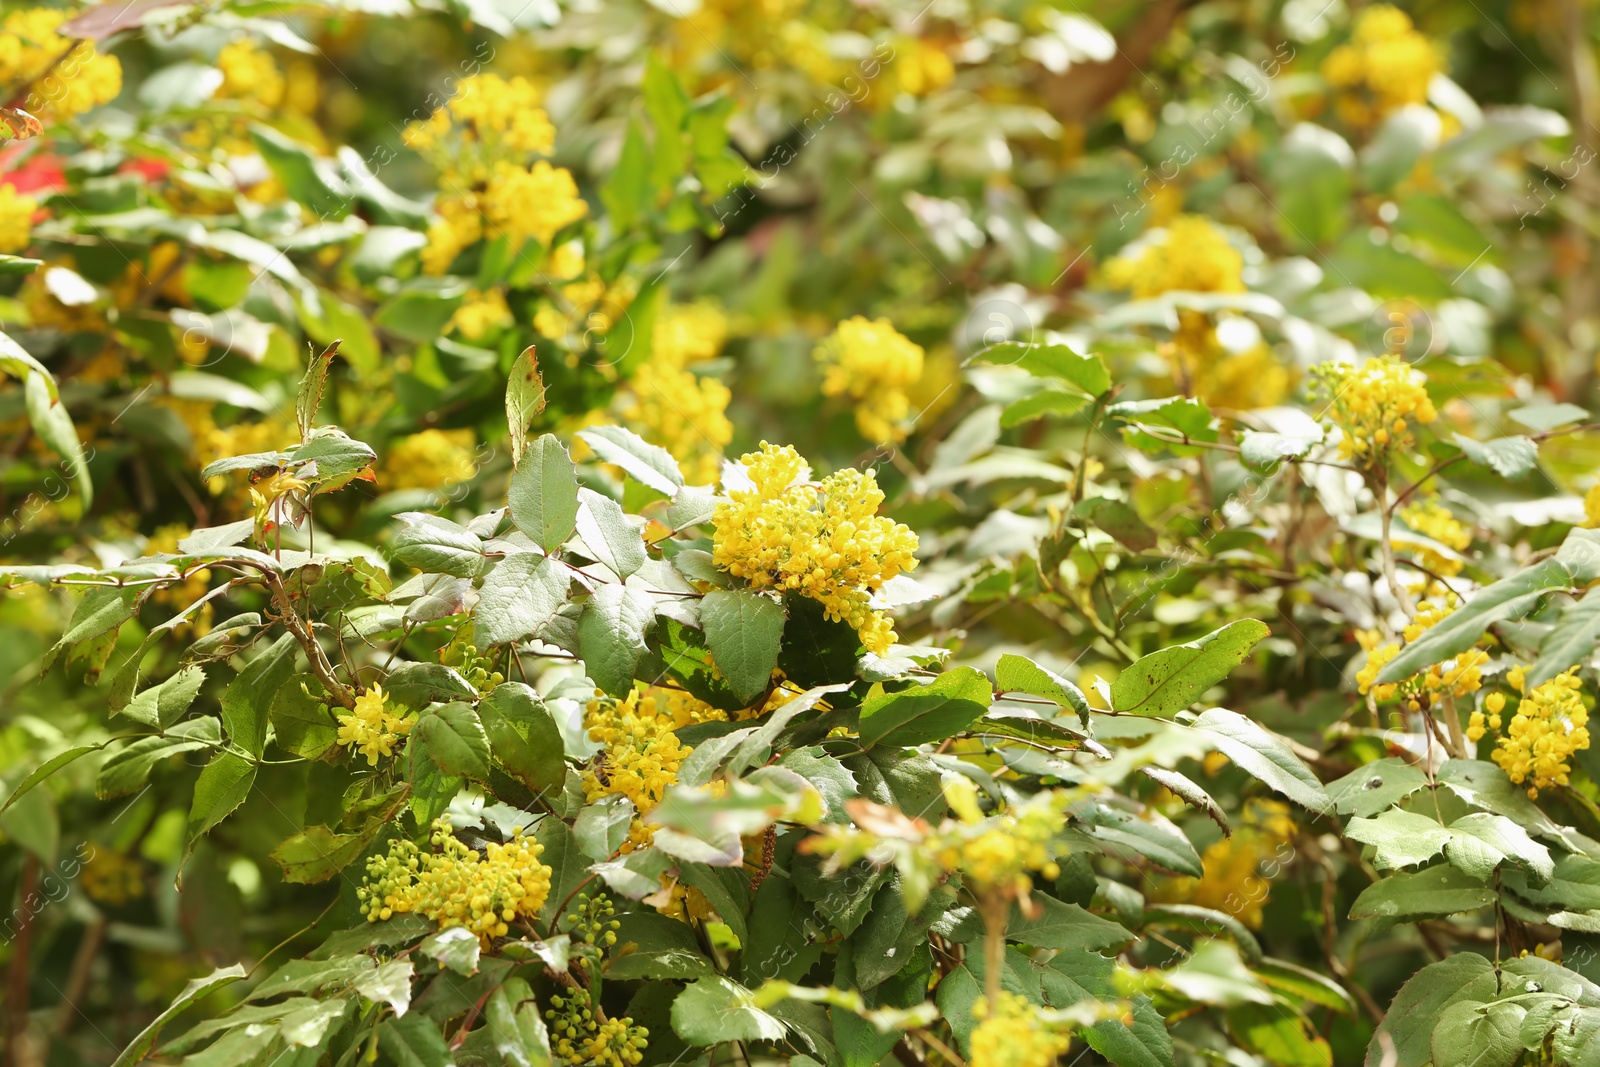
(722, 531)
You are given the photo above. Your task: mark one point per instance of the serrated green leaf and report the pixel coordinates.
(543, 497)
(924, 713)
(743, 630)
(1165, 682)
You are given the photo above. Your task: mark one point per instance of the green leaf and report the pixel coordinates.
(1304, 985)
(164, 704)
(47, 768)
(1508, 598)
(925, 713)
(221, 787)
(1381, 784)
(518, 598)
(525, 399)
(1510, 457)
(652, 946)
(1264, 755)
(1400, 141)
(611, 538)
(1401, 838)
(1545, 417)
(1067, 927)
(332, 454)
(102, 610)
(1282, 1038)
(127, 769)
(301, 720)
(1039, 404)
(196, 989)
(626, 192)
(1483, 1035)
(1311, 186)
(713, 1010)
(1409, 1023)
(308, 180)
(17, 362)
(1165, 682)
(247, 702)
(1120, 520)
(602, 826)
(648, 464)
(1019, 674)
(743, 630)
(455, 740)
(419, 313)
(1480, 842)
(1264, 451)
(316, 854)
(543, 497)
(611, 633)
(518, 1031)
(1429, 893)
(1214, 974)
(413, 1040)
(456, 948)
(1169, 424)
(1570, 642)
(523, 737)
(1152, 837)
(54, 427)
(1087, 373)
(438, 546)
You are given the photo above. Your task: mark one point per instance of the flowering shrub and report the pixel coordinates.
(722, 533)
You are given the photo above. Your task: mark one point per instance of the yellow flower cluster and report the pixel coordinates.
(1371, 404)
(491, 117)
(1012, 1034)
(1433, 520)
(111, 878)
(16, 219)
(1591, 507)
(63, 77)
(1548, 725)
(583, 1037)
(671, 406)
(1194, 256)
(480, 142)
(373, 727)
(1387, 57)
(873, 364)
(480, 315)
(1457, 677)
(250, 73)
(1237, 876)
(919, 67)
(456, 886)
(997, 854)
(823, 541)
(641, 756)
(432, 459)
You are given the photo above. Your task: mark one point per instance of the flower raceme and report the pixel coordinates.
(1374, 404)
(1389, 59)
(1011, 1033)
(458, 886)
(1457, 677)
(1549, 723)
(64, 77)
(372, 727)
(873, 364)
(824, 541)
(641, 755)
(999, 854)
(480, 141)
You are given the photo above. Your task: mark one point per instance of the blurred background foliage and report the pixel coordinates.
(743, 220)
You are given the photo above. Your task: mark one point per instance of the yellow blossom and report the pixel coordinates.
(683, 413)
(111, 878)
(16, 219)
(1374, 404)
(1591, 507)
(481, 314)
(432, 459)
(1237, 878)
(825, 541)
(250, 73)
(998, 854)
(64, 77)
(1548, 725)
(1193, 255)
(1433, 520)
(641, 755)
(372, 727)
(874, 365)
(1013, 1034)
(1387, 58)
(457, 886)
